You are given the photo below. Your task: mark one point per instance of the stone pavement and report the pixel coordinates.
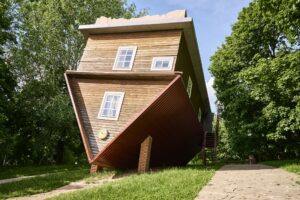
(251, 182)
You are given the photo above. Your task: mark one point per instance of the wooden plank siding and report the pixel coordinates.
(184, 64)
(101, 50)
(88, 95)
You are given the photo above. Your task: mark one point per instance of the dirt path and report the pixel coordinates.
(251, 182)
(74, 186)
(9, 180)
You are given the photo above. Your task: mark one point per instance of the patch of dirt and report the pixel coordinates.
(9, 180)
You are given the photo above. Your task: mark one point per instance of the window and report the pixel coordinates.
(111, 105)
(199, 114)
(189, 87)
(125, 57)
(162, 63)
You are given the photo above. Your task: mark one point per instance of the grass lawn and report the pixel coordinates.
(174, 183)
(288, 165)
(17, 171)
(61, 177)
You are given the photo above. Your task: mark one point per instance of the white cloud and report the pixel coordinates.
(211, 94)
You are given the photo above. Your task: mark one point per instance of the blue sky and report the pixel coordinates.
(212, 20)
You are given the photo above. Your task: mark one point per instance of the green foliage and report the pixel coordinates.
(42, 128)
(174, 183)
(257, 80)
(225, 147)
(7, 82)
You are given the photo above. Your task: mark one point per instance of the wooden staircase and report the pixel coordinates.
(210, 138)
(209, 147)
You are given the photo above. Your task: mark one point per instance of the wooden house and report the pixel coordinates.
(139, 92)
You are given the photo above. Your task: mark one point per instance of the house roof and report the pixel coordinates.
(171, 122)
(170, 21)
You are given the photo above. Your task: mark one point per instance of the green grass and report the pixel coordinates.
(17, 171)
(174, 183)
(288, 165)
(41, 184)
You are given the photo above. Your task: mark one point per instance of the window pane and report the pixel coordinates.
(158, 64)
(116, 97)
(128, 58)
(119, 64)
(129, 52)
(162, 63)
(109, 97)
(165, 64)
(126, 64)
(189, 86)
(104, 112)
(121, 58)
(111, 105)
(114, 112)
(107, 105)
(123, 52)
(114, 104)
(199, 114)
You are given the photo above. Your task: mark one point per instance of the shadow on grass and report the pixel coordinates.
(281, 163)
(125, 173)
(19, 171)
(231, 167)
(288, 165)
(260, 166)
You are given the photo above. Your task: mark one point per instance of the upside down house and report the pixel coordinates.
(139, 92)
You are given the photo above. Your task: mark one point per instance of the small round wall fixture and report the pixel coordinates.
(102, 134)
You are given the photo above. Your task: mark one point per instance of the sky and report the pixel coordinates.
(212, 19)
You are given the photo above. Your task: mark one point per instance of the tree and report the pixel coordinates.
(7, 82)
(257, 80)
(49, 43)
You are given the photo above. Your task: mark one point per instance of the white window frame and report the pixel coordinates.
(119, 106)
(199, 114)
(166, 58)
(189, 87)
(134, 48)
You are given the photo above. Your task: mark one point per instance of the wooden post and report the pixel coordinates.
(95, 168)
(145, 154)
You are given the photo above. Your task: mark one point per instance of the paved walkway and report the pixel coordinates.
(251, 182)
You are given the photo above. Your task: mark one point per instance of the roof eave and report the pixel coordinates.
(193, 48)
(153, 25)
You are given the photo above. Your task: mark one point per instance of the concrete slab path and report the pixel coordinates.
(251, 182)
